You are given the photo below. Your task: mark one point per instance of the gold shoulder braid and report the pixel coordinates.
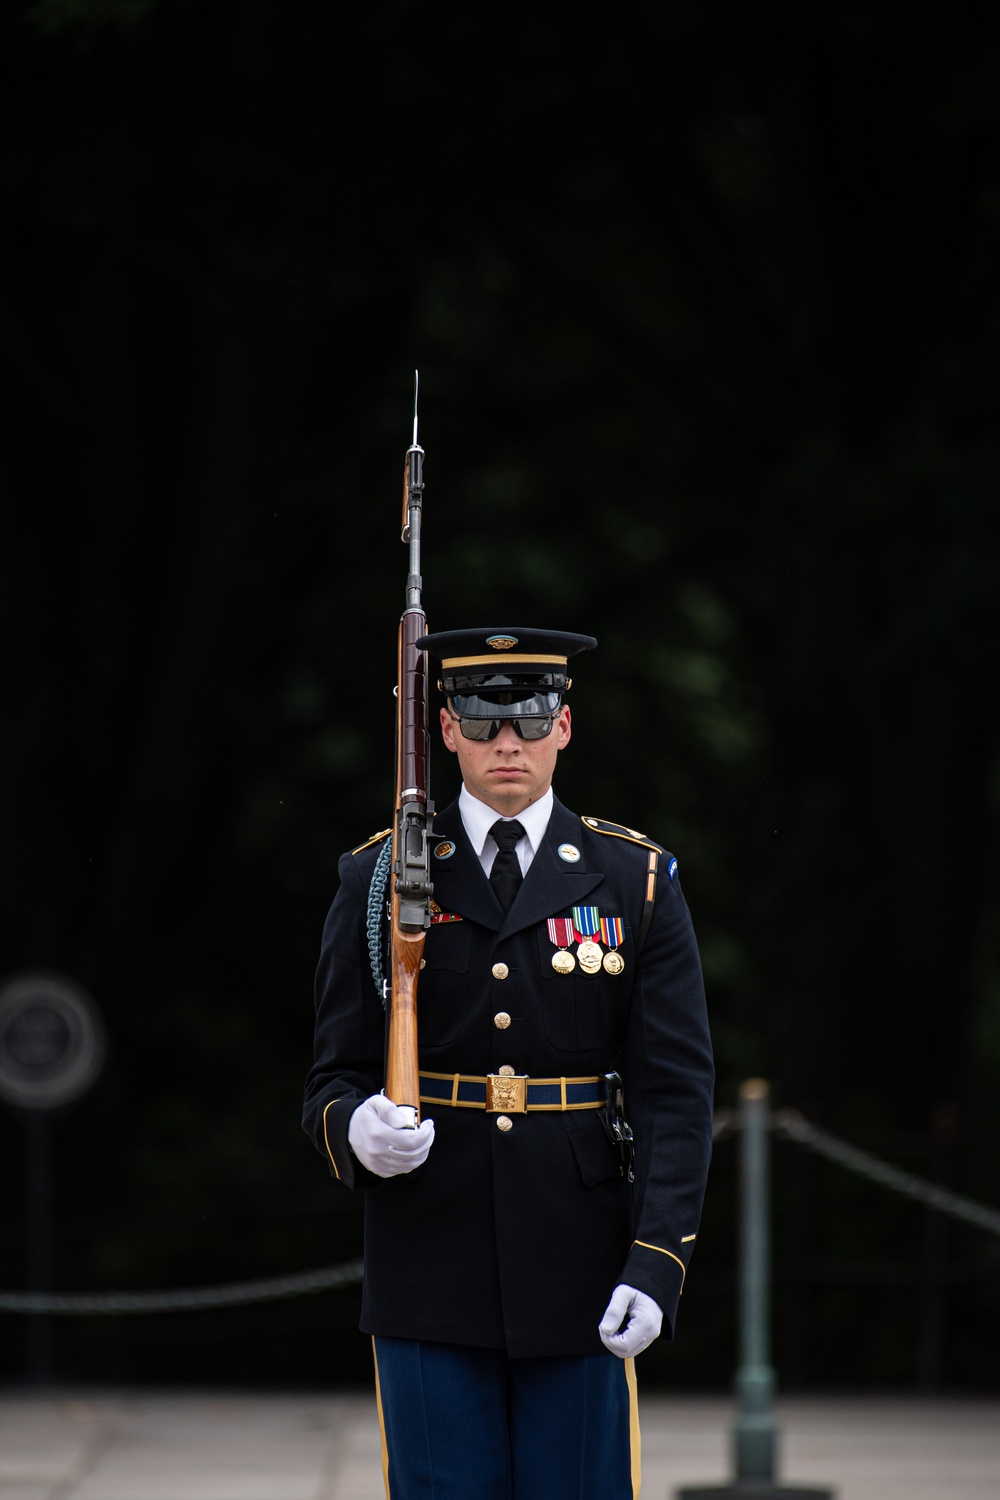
(375, 838)
(622, 831)
(632, 836)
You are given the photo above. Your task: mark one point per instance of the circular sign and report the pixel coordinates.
(51, 1041)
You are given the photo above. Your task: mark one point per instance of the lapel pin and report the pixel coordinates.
(445, 850)
(569, 852)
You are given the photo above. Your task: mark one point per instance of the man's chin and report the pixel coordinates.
(507, 796)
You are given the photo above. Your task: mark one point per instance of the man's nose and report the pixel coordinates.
(507, 736)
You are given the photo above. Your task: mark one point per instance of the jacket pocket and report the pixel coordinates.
(443, 986)
(595, 1156)
(579, 1011)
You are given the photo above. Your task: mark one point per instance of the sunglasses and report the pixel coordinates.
(488, 729)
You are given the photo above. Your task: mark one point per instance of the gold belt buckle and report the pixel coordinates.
(506, 1094)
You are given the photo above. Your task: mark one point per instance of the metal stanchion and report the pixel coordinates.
(755, 1430)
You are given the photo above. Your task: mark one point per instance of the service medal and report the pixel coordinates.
(587, 922)
(613, 933)
(589, 956)
(561, 933)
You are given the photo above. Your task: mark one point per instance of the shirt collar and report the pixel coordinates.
(478, 819)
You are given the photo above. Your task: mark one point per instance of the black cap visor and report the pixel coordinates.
(511, 703)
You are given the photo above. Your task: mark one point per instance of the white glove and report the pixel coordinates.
(382, 1143)
(645, 1319)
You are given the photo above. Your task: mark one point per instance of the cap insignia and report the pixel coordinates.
(502, 642)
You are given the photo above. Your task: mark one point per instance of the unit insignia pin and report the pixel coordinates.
(445, 850)
(569, 852)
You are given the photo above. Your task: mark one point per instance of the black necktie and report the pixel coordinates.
(505, 876)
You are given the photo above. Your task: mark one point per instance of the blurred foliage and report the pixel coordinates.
(706, 314)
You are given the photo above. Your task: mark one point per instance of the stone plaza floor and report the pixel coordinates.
(191, 1445)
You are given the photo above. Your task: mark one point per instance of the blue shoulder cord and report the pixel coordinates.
(376, 908)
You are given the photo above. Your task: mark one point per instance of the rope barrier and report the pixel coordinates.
(795, 1127)
(189, 1299)
(786, 1123)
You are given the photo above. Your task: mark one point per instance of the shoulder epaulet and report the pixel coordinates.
(375, 839)
(621, 831)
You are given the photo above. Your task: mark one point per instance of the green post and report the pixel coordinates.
(755, 1431)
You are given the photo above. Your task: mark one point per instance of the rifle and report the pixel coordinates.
(410, 914)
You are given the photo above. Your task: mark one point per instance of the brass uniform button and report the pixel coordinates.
(504, 1124)
(506, 1071)
(501, 1020)
(500, 971)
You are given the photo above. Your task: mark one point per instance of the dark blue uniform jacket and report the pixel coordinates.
(515, 1240)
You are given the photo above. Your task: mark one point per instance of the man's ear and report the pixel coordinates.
(448, 730)
(564, 727)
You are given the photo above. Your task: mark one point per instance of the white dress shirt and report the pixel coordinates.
(478, 819)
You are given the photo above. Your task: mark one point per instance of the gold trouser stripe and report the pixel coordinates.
(326, 1139)
(501, 659)
(381, 1424)
(634, 1436)
(660, 1251)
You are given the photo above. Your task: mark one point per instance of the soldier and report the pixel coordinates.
(513, 1243)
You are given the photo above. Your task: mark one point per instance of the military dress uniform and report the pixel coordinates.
(523, 1219)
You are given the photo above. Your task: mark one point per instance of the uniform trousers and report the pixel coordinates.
(461, 1422)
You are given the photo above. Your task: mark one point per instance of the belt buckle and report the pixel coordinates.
(506, 1094)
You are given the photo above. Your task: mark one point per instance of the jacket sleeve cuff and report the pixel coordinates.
(659, 1272)
(342, 1161)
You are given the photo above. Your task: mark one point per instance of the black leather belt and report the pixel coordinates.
(512, 1093)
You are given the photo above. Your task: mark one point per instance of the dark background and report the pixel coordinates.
(705, 304)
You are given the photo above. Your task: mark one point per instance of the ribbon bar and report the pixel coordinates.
(586, 921)
(612, 931)
(560, 931)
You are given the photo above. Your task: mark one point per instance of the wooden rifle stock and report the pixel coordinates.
(402, 1073)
